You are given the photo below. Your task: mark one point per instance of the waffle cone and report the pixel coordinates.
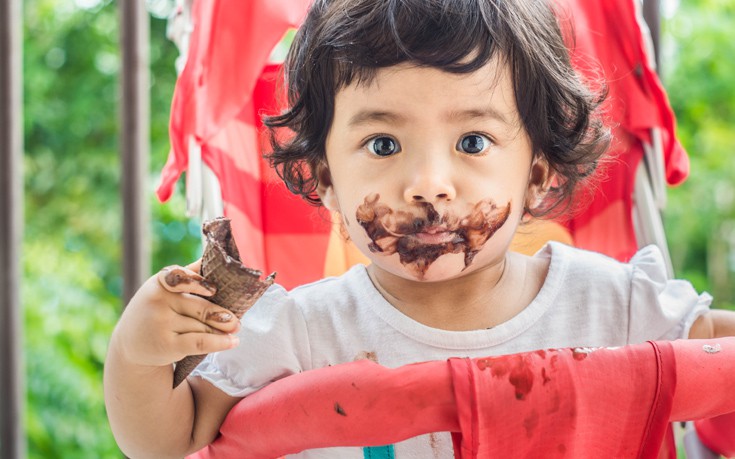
(238, 287)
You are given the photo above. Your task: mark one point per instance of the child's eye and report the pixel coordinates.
(473, 144)
(382, 146)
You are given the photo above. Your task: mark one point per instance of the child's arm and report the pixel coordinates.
(357, 403)
(160, 326)
(716, 323)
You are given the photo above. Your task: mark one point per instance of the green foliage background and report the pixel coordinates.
(699, 73)
(72, 243)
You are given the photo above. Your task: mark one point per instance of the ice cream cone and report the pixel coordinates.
(238, 287)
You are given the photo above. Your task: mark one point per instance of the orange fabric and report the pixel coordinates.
(554, 403)
(341, 252)
(533, 235)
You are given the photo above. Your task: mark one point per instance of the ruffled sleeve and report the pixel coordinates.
(660, 308)
(273, 344)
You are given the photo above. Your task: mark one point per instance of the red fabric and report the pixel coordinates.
(229, 47)
(565, 403)
(554, 403)
(718, 434)
(219, 98)
(607, 43)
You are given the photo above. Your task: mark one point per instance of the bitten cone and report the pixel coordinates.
(238, 287)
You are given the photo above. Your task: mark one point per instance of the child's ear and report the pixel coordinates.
(539, 179)
(325, 188)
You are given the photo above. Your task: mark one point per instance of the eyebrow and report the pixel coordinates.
(474, 114)
(371, 116)
(380, 116)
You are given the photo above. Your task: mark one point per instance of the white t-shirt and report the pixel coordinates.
(587, 299)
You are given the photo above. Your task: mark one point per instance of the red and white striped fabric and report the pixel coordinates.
(225, 87)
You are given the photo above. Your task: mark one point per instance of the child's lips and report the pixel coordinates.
(435, 236)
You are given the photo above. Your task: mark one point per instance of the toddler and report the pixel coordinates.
(433, 128)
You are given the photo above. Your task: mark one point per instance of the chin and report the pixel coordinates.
(446, 267)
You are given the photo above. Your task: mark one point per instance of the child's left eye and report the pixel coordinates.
(473, 144)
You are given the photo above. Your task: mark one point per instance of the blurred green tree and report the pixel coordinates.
(72, 240)
(698, 67)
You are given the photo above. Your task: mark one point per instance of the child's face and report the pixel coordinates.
(430, 170)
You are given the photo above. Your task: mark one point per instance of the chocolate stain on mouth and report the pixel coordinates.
(395, 231)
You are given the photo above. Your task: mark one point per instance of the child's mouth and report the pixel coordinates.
(421, 235)
(436, 236)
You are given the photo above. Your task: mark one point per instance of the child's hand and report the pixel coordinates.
(165, 321)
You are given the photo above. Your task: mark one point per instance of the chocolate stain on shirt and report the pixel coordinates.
(367, 355)
(434, 442)
(395, 231)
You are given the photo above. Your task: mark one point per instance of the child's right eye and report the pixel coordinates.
(382, 146)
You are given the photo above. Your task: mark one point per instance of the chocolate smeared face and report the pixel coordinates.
(421, 235)
(435, 146)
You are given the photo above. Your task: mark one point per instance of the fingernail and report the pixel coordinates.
(234, 341)
(220, 316)
(174, 277)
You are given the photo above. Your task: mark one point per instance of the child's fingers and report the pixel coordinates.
(184, 324)
(205, 343)
(208, 313)
(177, 279)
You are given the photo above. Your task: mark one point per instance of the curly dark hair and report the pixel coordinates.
(346, 41)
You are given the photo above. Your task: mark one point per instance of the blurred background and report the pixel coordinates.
(71, 266)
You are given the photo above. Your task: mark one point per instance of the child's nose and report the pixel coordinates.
(431, 183)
